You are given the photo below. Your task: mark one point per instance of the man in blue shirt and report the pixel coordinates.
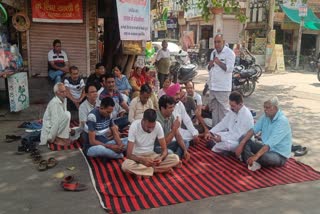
(98, 125)
(276, 136)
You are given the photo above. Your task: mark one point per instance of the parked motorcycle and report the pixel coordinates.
(244, 80)
(182, 71)
(313, 61)
(249, 62)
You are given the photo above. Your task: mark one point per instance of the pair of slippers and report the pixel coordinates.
(47, 164)
(12, 138)
(299, 150)
(69, 184)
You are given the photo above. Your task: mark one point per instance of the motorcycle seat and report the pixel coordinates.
(248, 73)
(188, 67)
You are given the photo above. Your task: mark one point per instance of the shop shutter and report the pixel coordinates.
(232, 29)
(73, 39)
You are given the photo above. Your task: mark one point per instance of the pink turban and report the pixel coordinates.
(173, 90)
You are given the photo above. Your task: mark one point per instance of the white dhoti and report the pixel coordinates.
(186, 134)
(219, 103)
(225, 146)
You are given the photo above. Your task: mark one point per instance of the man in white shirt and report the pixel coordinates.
(56, 119)
(89, 104)
(198, 101)
(58, 63)
(163, 63)
(141, 103)
(220, 68)
(232, 127)
(141, 159)
(191, 133)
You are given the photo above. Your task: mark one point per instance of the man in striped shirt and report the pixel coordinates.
(99, 123)
(58, 63)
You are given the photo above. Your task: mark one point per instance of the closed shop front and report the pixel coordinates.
(74, 43)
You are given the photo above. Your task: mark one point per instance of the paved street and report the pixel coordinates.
(25, 190)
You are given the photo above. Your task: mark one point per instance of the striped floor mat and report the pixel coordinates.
(73, 145)
(206, 174)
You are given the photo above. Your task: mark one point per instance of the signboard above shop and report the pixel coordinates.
(57, 11)
(134, 19)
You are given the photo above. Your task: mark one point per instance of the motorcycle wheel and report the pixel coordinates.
(248, 88)
(258, 69)
(313, 66)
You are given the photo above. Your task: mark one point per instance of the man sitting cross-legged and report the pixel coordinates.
(275, 148)
(96, 129)
(56, 119)
(89, 104)
(140, 103)
(235, 124)
(170, 126)
(141, 159)
(190, 133)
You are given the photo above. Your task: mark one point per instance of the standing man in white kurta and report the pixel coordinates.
(233, 126)
(220, 68)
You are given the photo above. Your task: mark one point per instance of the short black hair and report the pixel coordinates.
(236, 97)
(98, 65)
(56, 41)
(108, 75)
(118, 66)
(150, 115)
(107, 101)
(88, 85)
(73, 68)
(145, 89)
(165, 100)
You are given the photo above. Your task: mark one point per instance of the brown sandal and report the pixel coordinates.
(43, 165)
(52, 162)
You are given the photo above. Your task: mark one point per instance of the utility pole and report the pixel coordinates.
(303, 10)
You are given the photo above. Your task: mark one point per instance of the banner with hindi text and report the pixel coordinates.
(57, 11)
(134, 19)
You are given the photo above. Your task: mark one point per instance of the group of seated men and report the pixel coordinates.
(158, 139)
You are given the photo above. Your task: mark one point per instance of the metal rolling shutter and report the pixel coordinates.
(231, 31)
(73, 39)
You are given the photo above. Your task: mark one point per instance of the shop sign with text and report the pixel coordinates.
(57, 11)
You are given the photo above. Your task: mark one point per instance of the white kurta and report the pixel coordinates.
(56, 121)
(231, 128)
(191, 131)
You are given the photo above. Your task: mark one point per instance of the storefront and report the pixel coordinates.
(44, 21)
(15, 87)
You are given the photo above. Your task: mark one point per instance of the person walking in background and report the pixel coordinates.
(163, 63)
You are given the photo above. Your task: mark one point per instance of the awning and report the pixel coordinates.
(311, 21)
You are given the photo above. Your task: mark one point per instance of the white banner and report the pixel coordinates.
(18, 91)
(134, 19)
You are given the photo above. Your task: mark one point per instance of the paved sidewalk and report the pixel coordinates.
(25, 190)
